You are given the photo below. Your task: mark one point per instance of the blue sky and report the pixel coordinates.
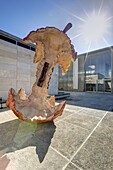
(22, 16)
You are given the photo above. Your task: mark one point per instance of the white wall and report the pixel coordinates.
(75, 74)
(17, 69)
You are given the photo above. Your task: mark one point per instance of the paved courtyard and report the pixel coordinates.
(81, 139)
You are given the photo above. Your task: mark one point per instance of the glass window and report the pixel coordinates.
(98, 72)
(66, 82)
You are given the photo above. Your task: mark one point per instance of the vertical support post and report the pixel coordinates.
(111, 69)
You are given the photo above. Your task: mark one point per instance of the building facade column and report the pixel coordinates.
(75, 75)
(111, 69)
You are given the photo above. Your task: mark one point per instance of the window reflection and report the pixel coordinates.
(98, 72)
(66, 82)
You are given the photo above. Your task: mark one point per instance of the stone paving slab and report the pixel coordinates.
(104, 135)
(71, 167)
(94, 156)
(7, 115)
(81, 139)
(83, 120)
(68, 112)
(27, 159)
(68, 138)
(108, 120)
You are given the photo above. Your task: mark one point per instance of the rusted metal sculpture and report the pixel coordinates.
(52, 47)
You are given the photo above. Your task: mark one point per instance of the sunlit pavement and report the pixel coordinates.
(81, 139)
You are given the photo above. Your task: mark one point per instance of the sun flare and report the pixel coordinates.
(94, 28)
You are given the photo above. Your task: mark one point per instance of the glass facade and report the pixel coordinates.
(95, 73)
(66, 82)
(98, 72)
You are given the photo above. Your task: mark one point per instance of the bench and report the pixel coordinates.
(2, 102)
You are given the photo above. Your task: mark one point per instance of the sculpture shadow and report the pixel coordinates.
(17, 134)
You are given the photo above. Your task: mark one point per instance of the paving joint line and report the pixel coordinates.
(87, 138)
(72, 164)
(84, 113)
(68, 116)
(65, 158)
(71, 110)
(75, 125)
(62, 119)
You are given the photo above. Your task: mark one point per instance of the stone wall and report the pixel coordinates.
(17, 69)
